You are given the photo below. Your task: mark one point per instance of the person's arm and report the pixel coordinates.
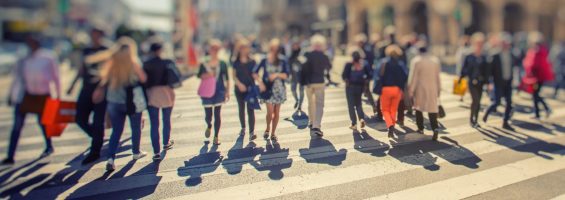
(139, 73)
(465, 69)
(345, 73)
(226, 77)
(79, 74)
(256, 76)
(285, 72)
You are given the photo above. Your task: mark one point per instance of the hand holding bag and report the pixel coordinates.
(56, 115)
(207, 88)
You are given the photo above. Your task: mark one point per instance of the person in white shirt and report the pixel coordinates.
(31, 87)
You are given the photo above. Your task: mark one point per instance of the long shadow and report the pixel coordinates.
(424, 154)
(322, 151)
(239, 156)
(207, 161)
(299, 119)
(274, 159)
(366, 144)
(532, 126)
(521, 142)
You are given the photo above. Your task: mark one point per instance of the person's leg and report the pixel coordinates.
(251, 119)
(208, 117)
(396, 100)
(433, 121)
(400, 110)
(369, 95)
(275, 122)
(217, 120)
(293, 87)
(167, 112)
(241, 108)
(19, 120)
(379, 111)
(118, 119)
(476, 93)
(48, 143)
(541, 100)
(154, 119)
(82, 116)
(301, 97)
(495, 103)
(269, 117)
(350, 105)
(311, 103)
(135, 125)
(319, 92)
(508, 98)
(420, 120)
(386, 104)
(98, 125)
(536, 99)
(358, 103)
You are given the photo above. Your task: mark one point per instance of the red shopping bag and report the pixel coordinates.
(54, 130)
(57, 112)
(528, 84)
(56, 115)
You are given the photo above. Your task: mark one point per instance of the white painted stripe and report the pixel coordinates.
(560, 197)
(483, 181)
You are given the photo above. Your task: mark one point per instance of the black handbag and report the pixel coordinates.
(173, 76)
(441, 113)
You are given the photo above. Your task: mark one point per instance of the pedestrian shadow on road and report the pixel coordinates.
(274, 159)
(322, 151)
(521, 142)
(366, 144)
(299, 119)
(425, 153)
(239, 156)
(206, 162)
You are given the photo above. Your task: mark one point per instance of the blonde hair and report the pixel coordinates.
(393, 51)
(119, 69)
(477, 37)
(318, 42)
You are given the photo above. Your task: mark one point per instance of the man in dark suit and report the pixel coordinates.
(500, 74)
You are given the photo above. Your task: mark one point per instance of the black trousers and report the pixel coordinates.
(538, 99)
(476, 91)
(420, 120)
(94, 129)
(354, 103)
(214, 112)
(369, 95)
(503, 91)
(242, 107)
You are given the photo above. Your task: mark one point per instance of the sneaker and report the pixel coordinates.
(318, 132)
(353, 127)
(208, 132)
(90, 158)
(436, 133)
(139, 155)
(47, 152)
(420, 132)
(391, 132)
(252, 136)
(157, 157)
(507, 126)
(476, 125)
(169, 146)
(242, 132)
(485, 118)
(110, 166)
(8, 161)
(362, 124)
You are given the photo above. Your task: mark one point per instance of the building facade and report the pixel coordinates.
(451, 18)
(223, 18)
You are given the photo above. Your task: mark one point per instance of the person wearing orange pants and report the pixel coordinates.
(394, 75)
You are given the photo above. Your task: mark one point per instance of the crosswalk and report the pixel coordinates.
(345, 164)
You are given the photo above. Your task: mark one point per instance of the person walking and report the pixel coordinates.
(275, 72)
(217, 70)
(537, 66)
(462, 52)
(356, 76)
(296, 70)
(424, 88)
(393, 79)
(85, 106)
(500, 74)
(243, 66)
(475, 68)
(313, 71)
(369, 57)
(121, 78)
(559, 66)
(162, 77)
(32, 77)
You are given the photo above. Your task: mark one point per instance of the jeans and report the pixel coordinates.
(298, 95)
(420, 120)
(476, 94)
(94, 129)
(316, 95)
(118, 117)
(242, 107)
(559, 84)
(19, 120)
(216, 113)
(154, 118)
(499, 93)
(390, 100)
(354, 94)
(538, 99)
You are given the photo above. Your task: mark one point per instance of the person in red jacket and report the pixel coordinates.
(537, 66)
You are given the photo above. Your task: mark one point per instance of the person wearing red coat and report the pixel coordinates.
(537, 66)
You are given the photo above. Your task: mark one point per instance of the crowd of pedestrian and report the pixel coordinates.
(117, 84)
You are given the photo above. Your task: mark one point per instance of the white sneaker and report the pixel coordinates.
(158, 156)
(110, 166)
(139, 155)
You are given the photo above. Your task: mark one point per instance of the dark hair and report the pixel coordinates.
(98, 31)
(356, 56)
(155, 47)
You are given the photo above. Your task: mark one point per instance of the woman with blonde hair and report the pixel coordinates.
(394, 75)
(216, 71)
(275, 72)
(120, 78)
